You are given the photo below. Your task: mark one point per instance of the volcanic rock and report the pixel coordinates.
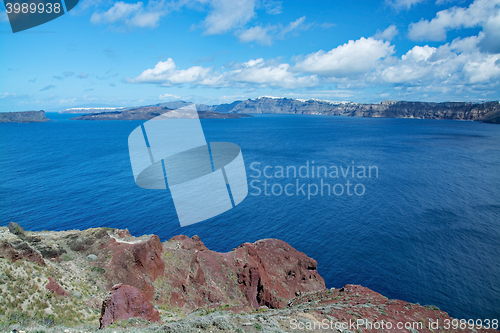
(16, 250)
(124, 302)
(56, 288)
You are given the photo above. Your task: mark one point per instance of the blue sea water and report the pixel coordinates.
(426, 230)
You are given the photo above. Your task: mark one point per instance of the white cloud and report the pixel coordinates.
(388, 34)
(479, 13)
(119, 11)
(132, 14)
(266, 35)
(455, 68)
(85, 5)
(257, 34)
(352, 58)
(457, 63)
(403, 4)
(293, 26)
(223, 16)
(169, 97)
(226, 15)
(273, 7)
(327, 25)
(443, 2)
(146, 19)
(253, 72)
(270, 74)
(165, 73)
(491, 41)
(68, 101)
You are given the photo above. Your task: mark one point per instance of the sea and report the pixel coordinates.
(418, 220)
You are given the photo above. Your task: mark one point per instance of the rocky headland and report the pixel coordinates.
(103, 278)
(149, 112)
(23, 117)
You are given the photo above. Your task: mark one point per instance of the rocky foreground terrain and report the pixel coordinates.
(83, 281)
(23, 117)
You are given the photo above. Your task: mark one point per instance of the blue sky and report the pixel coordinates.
(217, 51)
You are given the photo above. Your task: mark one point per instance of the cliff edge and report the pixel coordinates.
(106, 278)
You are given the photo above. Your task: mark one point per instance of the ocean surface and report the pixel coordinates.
(424, 228)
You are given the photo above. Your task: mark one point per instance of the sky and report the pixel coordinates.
(117, 53)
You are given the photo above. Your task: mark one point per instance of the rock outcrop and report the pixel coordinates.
(55, 288)
(62, 278)
(23, 117)
(266, 273)
(125, 302)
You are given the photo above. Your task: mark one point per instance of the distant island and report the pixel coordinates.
(23, 117)
(149, 112)
(487, 112)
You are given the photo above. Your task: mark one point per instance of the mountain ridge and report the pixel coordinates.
(487, 112)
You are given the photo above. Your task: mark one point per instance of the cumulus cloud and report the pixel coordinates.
(269, 74)
(483, 13)
(165, 73)
(453, 67)
(388, 34)
(491, 39)
(456, 63)
(352, 58)
(253, 72)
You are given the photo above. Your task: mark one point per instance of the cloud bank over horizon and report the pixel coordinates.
(222, 50)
